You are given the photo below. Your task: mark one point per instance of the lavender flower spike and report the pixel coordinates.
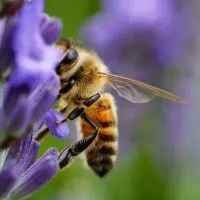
(22, 174)
(35, 59)
(136, 35)
(33, 85)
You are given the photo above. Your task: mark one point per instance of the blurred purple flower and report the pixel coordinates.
(33, 86)
(141, 36)
(21, 174)
(50, 28)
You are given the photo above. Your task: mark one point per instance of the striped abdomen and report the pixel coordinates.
(101, 155)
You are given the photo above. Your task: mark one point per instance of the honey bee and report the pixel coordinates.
(83, 76)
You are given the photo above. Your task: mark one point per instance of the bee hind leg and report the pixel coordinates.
(67, 155)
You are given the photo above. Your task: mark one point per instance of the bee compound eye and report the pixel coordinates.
(70, 57)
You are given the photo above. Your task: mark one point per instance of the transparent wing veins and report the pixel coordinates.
(136, 91)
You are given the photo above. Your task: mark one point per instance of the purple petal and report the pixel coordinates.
(43, 98)
(50, 28)
(16, 112)
(29, 14)
(35, 60)
(12, 96)
(17, 121)
(2, 27)
(8, 178)
(6, 53)
(32, 155)
(59, 131)
(23, 154)
(33, 71)
(39, 125)
(18, 151)
(39, 174)
(24, 106)
(27, 153)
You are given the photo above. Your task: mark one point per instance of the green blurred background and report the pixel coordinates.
(138, 173)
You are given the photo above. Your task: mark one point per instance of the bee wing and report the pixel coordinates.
(136, 91)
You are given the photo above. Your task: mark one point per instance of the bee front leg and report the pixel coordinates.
(89, 101)
(67, 155)
(78, 111)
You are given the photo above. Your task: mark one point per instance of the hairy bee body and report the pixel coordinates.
(83, 76)
(101, 155)
(85, 72)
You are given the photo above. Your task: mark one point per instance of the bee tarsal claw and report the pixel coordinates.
(67, 155)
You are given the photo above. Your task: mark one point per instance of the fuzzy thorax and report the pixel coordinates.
(86, 74)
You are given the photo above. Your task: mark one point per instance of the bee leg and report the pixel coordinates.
(80, 110)
(75, 149)
(72, 115)
(75, 113)
(67, 155)
(41, 135)
(89, 101)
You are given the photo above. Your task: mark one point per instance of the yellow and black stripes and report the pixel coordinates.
(101, 155)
